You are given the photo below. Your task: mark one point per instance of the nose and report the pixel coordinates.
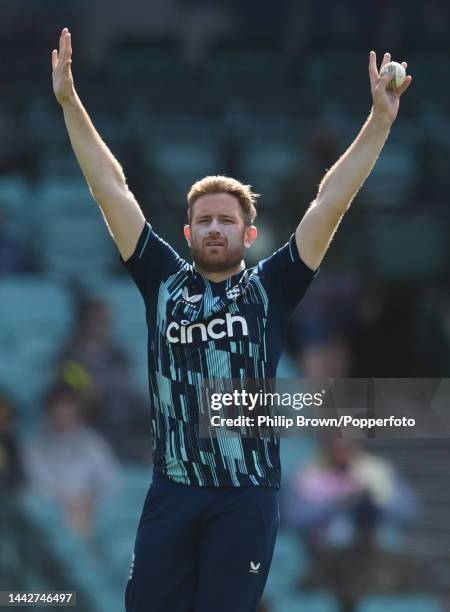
(214, 227)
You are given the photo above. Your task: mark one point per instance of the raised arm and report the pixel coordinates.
(102, 171)
(342, 182)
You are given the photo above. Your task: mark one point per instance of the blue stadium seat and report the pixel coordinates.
(235, 60)
(56, 194)
(265, 166)
(181, 162)
(129, 324)
(88, 574)
(420, 602)
(392, 182)
(71, 234)
(137, 479)
(288, 565)
(120, 516)
(412, 246)
(33, 309)
(78, 247)
(121, 513)
(305, 602)
(328, 68)
(36, 317)
(31, 373)
(127, 309)
(287, 368)
(294, 453)
(147, 58)
(15, 199)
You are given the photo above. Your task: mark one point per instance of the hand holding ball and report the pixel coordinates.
(398, 74)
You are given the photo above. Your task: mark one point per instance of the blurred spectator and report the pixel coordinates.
(345, 494)
(327, 312)
(341, 503)
(68, 461)
(319, 337)
(96, 365)
(92, 345)
(344, 501)
(14, 257)
(326, 355)
(342, 330)
(11, 471)
(382, 342)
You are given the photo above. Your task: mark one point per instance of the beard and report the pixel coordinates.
(217, 259)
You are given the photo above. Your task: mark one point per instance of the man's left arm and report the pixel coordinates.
(342, 182)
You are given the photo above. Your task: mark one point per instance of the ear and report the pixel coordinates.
(251, 233)
(187, 234)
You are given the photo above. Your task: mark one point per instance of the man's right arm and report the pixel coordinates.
(103, 173)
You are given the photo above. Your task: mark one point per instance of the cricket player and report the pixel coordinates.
(207, 531)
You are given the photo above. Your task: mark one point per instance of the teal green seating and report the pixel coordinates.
(419, 602)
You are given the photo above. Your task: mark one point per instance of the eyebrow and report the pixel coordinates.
(222, 216)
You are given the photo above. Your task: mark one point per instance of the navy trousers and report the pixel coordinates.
(202, 549)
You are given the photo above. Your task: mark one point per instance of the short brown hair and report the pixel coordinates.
(223, 184)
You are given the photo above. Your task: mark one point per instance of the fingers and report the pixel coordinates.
(373, 72)
(65, 45)
(61, 42)
(64, 53)
(406, 83)
(386, 59)
(384, 80)
(69, 44)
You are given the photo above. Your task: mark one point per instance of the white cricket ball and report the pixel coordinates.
(398, 74)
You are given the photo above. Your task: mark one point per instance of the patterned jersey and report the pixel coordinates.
(198, 330)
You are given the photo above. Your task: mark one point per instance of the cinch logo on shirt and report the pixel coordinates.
(215, 329)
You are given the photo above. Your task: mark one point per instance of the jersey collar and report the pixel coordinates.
(220, 286)
(228, 290)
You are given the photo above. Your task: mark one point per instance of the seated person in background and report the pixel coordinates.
(92, 345)
(345, 494)
(94, 363)
(340, 502)
(69, 462)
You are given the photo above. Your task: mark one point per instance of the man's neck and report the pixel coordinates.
(218, 277)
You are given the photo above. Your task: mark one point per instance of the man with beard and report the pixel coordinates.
(207, 531)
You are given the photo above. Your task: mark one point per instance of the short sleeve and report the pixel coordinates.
(152, 262)
(285, 276)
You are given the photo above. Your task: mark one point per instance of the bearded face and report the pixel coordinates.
(217, 234)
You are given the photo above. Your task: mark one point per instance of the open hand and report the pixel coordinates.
(62, 72)
(385, 101)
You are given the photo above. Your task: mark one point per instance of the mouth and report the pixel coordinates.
(214, 243)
